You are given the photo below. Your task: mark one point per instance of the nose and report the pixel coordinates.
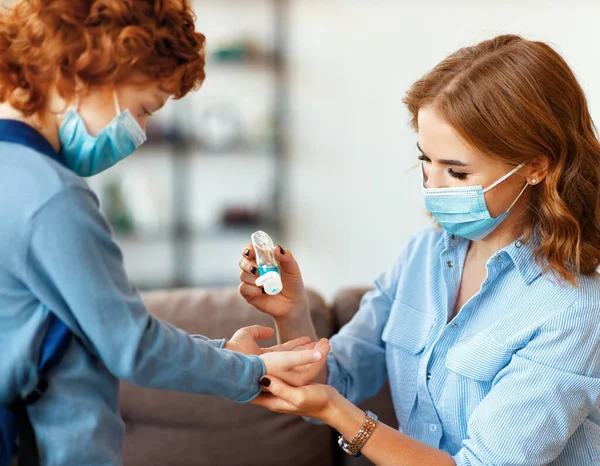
(432, 177)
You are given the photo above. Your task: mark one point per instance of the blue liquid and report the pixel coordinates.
(264, 269)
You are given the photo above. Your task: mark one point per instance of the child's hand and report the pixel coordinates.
(244, 341)
(297, 368)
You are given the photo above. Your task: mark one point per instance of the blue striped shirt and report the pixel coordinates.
(513, 379)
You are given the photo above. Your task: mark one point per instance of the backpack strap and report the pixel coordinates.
(55, 344)
(14, 421)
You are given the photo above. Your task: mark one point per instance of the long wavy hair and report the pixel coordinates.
(515, 100)
(96, 43)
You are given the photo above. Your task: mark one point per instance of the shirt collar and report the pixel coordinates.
(520, 253)
(452, 240)
(21, 133)
(523, 257)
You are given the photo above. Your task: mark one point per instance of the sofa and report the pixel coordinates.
(169, 428)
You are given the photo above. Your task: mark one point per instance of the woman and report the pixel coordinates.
(487, 328)
(78, 81)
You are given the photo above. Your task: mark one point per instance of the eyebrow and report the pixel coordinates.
(456, 163)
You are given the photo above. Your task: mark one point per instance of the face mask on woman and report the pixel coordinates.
(463, 211)
(87, 155)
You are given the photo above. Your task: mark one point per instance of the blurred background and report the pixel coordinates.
(300, 130)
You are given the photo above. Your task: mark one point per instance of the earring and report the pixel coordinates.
(533, 181)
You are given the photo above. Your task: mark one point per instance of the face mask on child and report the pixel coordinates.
(87, 155)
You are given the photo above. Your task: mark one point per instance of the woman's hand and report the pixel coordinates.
(288, 304)
(316, 401)
(323, 402)
(244, 341)
(297, 367)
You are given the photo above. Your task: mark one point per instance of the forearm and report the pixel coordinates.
(299, 324)
(167, 358)
(386, 446)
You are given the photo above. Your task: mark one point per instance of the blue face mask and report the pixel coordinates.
(463, 211)
(87, 155)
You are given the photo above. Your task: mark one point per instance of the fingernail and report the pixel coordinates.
(253, 270)
(247, 252)
(263, 291)
(281, 250)
(317, 356)
(265, 382)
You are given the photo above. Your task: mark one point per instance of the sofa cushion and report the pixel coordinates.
(170, 428)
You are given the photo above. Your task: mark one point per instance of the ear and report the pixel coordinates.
(537, 170)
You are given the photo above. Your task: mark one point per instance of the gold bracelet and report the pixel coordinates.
(358, 442)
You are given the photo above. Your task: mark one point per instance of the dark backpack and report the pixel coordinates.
(17, 438)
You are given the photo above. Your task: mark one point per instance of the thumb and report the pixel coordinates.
(258, 332)
(287, 263)
(323, 346)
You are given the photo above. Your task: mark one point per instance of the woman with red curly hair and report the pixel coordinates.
(78, 81)
(487, 327)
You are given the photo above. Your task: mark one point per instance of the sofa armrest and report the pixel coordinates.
(345, 304)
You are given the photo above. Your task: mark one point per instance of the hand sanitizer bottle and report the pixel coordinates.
(268, 267)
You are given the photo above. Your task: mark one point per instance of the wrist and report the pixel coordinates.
(343, 416)
(335, 408)
(296, 314)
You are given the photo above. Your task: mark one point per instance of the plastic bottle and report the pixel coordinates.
(268, 267)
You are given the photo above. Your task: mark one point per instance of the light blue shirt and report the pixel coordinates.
(513, 379)
(57, 255)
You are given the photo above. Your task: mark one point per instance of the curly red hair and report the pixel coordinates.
(516, 100)
(96, 43)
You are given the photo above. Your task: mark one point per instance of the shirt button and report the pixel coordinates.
(428, 376)
(453, 325)
(452, 237)
(432, 427)
(450, 264)
(486, 283)
(518, 244)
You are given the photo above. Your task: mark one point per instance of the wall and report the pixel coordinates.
(354, 201)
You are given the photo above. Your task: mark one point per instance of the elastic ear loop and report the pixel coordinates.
(510, 173)
(518, 197)
(116, 100)
(74, 106)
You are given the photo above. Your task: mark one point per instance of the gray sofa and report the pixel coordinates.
(168, 428)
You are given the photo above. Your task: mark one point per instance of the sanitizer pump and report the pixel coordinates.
(268, 267)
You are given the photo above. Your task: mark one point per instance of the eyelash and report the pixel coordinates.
(451, 172)
(457, 175)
